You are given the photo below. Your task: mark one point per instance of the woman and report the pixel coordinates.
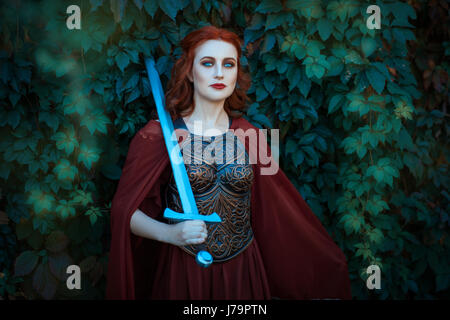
(269, 243)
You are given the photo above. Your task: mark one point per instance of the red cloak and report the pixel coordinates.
(300, 259)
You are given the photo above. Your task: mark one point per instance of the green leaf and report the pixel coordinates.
(404, 140)
(262, 119)
(318, 70)
(379, 174)
(361, 151)
(65, 209)
(353, 57)
(334, 103)
(299, 51)
(41, 201)
(136, 93)
(336, 66)
(25, 263)
(98, 87)
(368, 46)
(309, 9)
(383, 171)
(64, 67)
(376, 79)
(64, 170)
(93, 219)
(96, 121)
(352, 223)
(14, 97)
(298, 157)
(132, 82)
(281, 66)
(78, 104)
(261, 93)
(164, 44)
(269, 42)
(293, 75)
(50, 119)
(291, 146)
(373, 140)
(305, 86)
(88, 155)
(307, 139)
(170, 7)
(269, 84)
(313, 48)
(66, 141)
(325, 28)
(151, 6)
(401, 12)
(117, 8)
(376, 205)
(81, 197)
(268, 6)
(350, 144)
(274, 20)
(357, 105)
(376, 235)
(122, 60)
(313, 158)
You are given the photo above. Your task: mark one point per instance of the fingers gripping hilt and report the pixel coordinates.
(203, 257)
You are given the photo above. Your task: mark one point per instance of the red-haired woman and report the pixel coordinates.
(269, 243)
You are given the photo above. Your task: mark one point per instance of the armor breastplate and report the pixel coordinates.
(221, 177)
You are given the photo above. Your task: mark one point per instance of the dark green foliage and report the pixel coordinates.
(362, 118)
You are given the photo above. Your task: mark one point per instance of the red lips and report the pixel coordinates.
(218, 85)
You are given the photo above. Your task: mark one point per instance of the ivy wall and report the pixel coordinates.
(362, 115)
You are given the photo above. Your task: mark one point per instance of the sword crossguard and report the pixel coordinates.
(178, 217)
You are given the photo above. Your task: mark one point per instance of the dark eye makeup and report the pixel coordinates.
(210, 63)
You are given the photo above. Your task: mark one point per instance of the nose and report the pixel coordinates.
(219, 74)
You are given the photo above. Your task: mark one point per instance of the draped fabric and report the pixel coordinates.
(291, 257)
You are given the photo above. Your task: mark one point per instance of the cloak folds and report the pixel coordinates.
(300, 259)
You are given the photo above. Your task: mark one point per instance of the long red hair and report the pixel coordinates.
(180, 93)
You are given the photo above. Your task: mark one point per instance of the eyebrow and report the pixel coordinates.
(207, 57)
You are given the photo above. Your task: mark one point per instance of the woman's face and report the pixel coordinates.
(214, 70)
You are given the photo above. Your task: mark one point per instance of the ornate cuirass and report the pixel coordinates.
(221, 176)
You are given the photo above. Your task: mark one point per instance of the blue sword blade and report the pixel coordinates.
(179, 170)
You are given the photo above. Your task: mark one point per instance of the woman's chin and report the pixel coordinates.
(216, 98)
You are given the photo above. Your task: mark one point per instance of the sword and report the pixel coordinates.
(188, 204)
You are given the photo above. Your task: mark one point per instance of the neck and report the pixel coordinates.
(211, 115)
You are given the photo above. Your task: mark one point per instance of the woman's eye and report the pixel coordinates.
(207, 64)
(229, 65)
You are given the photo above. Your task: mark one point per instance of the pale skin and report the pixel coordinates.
(215, 62)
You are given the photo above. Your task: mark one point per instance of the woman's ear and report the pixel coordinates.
(189, 76)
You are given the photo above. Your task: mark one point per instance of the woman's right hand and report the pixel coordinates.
(188, 232)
